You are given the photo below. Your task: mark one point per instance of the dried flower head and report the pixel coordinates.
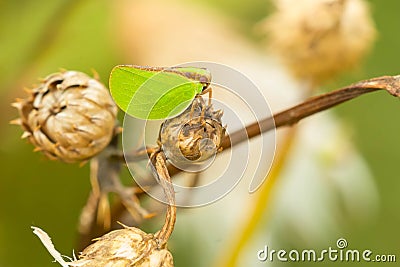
(194, 135)
(125, 247)
(69, 116)
(320, 38)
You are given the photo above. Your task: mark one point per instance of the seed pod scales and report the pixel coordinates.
(125, 247)
(194, 135)
(69, 116)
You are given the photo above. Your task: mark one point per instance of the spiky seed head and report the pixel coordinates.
(194, 135)
(124, 248)
(69, 116)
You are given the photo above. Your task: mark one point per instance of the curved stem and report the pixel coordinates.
(159, 163)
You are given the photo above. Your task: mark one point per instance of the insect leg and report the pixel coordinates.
(193, 106)
(209, 91)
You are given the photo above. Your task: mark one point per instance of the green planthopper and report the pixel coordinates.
(153, 93)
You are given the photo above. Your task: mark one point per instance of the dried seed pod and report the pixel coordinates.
(318, 39)
(195, 135)
(69, 116)
(125, 247)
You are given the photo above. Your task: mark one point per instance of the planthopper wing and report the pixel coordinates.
(152, 93)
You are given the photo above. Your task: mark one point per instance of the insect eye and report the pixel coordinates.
(205, 85)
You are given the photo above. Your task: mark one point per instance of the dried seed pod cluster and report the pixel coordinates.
(194, 135)
(69, 116)
(125, 247)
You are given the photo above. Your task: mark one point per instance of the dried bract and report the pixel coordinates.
(69, 116)
(194, 135)
(317, 39)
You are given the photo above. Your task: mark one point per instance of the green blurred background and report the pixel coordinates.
(39, 37)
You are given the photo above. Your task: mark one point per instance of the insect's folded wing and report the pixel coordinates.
(151, 95)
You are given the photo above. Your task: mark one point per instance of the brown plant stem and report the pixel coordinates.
(314, 105)
(160, 170)
(159, 163)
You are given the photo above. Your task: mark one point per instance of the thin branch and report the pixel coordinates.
(314, 105)
(159, 163)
